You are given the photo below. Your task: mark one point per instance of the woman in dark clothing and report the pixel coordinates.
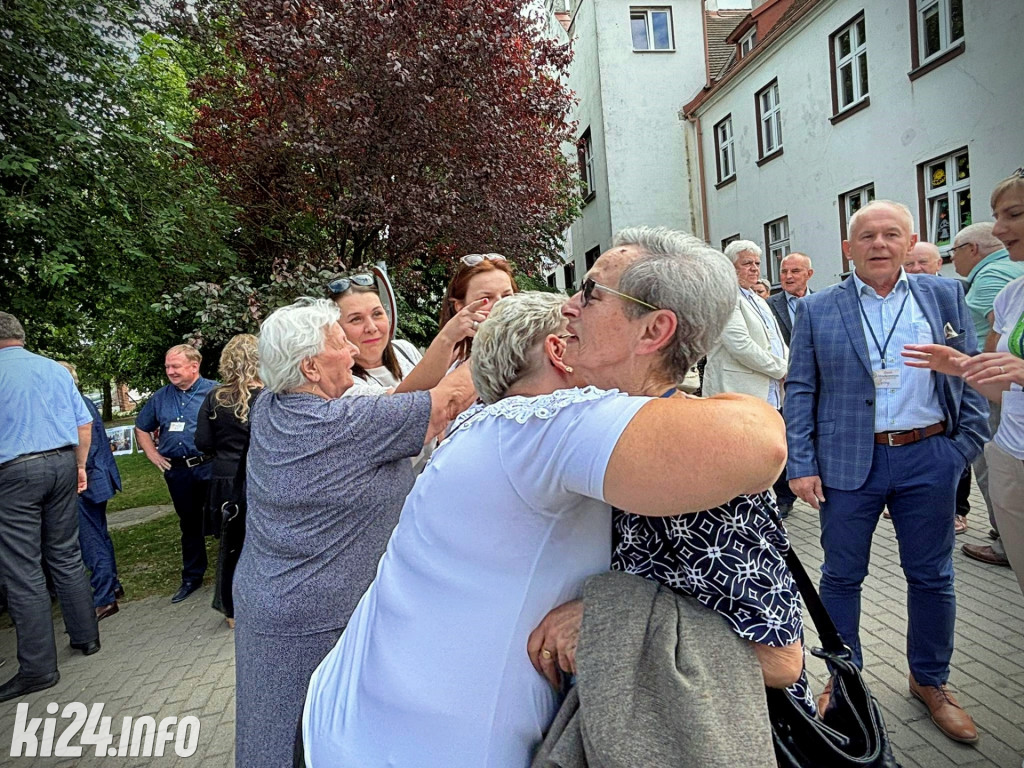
(223, 431)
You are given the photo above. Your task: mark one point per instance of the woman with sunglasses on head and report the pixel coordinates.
(481, 280)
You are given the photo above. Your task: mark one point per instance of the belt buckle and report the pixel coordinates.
(193, 461)
(890, 435)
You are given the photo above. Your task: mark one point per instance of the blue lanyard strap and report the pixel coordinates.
(183, 406)
(670, 392)
(881, 349)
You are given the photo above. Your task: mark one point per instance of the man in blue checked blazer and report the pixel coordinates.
(866, 431)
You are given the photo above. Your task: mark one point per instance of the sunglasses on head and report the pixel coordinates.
(472, 259)
(342, 284)
(588, 291)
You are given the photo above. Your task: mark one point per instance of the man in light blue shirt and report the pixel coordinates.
(46, 432)
(980, 256)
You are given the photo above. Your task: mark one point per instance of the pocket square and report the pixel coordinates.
(949, 332)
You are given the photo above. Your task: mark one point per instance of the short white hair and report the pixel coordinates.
(291, 335)
(796, 255)
(979, 234)
(903, 210)
(505, 348)
(736, 247)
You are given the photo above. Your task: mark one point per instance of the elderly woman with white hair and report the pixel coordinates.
(507, 520)
(326, 478)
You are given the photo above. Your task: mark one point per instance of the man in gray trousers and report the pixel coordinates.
(46, 431)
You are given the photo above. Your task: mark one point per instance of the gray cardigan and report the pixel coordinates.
(662, 681)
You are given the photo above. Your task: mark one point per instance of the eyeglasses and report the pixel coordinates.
(588, 291)
(342, 284)
(955, 248)
(1019, 173)
(472, 259)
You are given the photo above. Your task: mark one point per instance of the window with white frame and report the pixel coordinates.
(729, 239)
(947, 197)
(776, 238)
(651, 29)
(724, 154)
(747, 42)
(940, 26)
(849, 203)
(585, 157)
(769, 120)
(850, 73)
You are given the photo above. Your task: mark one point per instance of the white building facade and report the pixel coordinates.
(845, 101)
(634, 65)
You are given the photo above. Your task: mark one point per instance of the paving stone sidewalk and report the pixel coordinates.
(165, 660)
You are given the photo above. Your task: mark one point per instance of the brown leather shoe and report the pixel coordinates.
(946, 711)
(824, 698)
(106, 610)
(985, 554)
(959, 524)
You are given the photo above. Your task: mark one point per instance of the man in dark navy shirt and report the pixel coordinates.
(174, 409)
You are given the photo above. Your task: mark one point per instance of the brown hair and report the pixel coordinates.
(389, 359)
(457, 289)
(1014, 183)
(239, 372)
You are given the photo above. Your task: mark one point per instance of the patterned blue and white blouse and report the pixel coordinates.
(729, 558)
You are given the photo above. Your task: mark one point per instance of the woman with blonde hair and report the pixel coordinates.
(223, 432)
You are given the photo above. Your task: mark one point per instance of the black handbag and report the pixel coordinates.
(852, 733)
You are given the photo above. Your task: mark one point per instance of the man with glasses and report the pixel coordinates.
(174, 411)
(751, 356)
(981, 258)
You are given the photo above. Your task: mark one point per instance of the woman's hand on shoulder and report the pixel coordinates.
(453, 394)
(552, 645)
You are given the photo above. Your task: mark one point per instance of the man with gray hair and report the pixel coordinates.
(751, 356)
(981, 258)
(795, 270)
(46, 430)
(923, 259)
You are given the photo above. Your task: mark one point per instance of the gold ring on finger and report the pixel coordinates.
(545, 653)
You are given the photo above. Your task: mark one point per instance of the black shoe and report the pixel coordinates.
(89, 648)
(19, 686)
(186, 589)
(784, 510)
(119, 592)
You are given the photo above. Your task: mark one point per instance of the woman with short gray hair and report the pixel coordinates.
(507, 520)
(326, 479)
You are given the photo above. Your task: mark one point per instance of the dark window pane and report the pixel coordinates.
(963, 166)
(863, 74)
(846, 85)
(661, 32)
(956, 19)
(932, 39)
(871, 194)
(638, 26)
(940, 211)
(963, 204)
(861, 33)
(937, 175)
(844, 43)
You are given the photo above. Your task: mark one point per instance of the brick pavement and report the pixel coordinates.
(160, 659)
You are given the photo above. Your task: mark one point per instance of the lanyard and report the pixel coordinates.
(183, 406)
(670, 392)
(881, 349)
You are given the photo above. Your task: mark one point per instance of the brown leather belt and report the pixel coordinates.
(908, 436)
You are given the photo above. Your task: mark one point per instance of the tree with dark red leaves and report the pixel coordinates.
(349, 131)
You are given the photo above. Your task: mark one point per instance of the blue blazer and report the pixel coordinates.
(777, 301)
(830, 395)
(100, 467)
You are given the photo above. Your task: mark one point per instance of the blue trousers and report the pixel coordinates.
(97, 550)
(917, 482)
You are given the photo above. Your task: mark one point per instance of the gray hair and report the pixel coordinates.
(291, 335)
(979, 234)
(680, 273)
(10, 328)
(504, 347)
(736, 247)
(903, 210)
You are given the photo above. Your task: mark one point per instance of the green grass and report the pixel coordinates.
(142, 484)
(149, 557)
